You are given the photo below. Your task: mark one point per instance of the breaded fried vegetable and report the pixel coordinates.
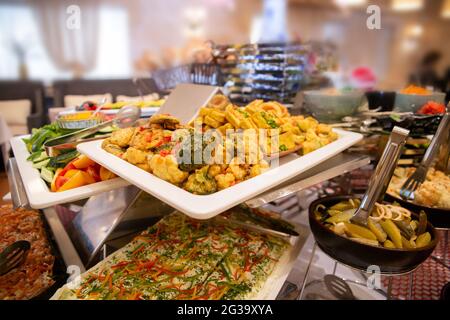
(225, 180)
(112, 148)
(122, 137)
(166, 168)
(201, 182)
(165, 120)
(135, 156)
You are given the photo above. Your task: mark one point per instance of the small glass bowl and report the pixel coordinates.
(79, 120)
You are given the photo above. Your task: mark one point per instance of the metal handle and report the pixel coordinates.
(383, 172)
(18, 195)
(439, 136)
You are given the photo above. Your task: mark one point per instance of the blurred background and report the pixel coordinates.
(53, 50)
(119, 39)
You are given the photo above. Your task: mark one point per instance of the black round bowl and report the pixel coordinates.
(361, 256)
(438, 217)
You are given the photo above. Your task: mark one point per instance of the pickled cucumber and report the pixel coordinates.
(343, 216)
(342, 206)
(366, 241)
(357, 231)
(423, 240)
(393, 232)
(333, 212)
(408, 244)
(377, 230)
(422, 223)
(388, 244)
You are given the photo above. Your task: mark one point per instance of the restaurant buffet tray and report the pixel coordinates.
(38, 194)
(211, 269)
(207, 206)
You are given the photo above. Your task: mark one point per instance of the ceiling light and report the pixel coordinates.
(446, 9)
(350, 3)
(407, 5)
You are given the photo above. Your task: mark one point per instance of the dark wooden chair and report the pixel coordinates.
(30, 90)
(115, 87)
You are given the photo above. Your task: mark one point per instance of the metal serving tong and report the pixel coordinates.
(381, 177)
(126, 117)
(13, 256)
(419, 176)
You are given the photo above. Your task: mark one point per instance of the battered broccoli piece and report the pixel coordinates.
(201, 182)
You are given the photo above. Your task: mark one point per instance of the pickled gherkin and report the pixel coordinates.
(408, 244)
(357, 231)
(389, 244)
(423, 240)
(343, 216)
(376, 228)
(393, 232)
(389, 225)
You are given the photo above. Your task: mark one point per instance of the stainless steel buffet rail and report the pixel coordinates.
(18, 195)
(336, 166)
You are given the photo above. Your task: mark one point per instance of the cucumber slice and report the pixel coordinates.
(108, 129)
(47, 175)
(41, 164)
(41, 157)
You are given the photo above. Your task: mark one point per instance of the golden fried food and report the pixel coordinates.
(137, 157)
(250, 133)
(166, 168)
(122, 137)
(201, 182)
(219, 101)
(434, 192)
(112, 148)
(225, 180)
(165, 120)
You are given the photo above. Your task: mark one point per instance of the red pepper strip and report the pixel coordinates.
(167, 139)
(122, 291)
(247, 263)
(164, 153)
(160, 142)
(149, 137)
(142, 247)
(225, 247)
(137, 296)
(202, 239)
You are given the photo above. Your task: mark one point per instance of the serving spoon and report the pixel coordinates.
(381, 177)
(126, 117)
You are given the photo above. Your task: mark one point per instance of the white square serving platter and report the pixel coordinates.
(207, 206)
(39, 195)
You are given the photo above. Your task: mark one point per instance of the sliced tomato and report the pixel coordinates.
(53, 184)
(77, 180)
(60, 181)
(94, 173)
